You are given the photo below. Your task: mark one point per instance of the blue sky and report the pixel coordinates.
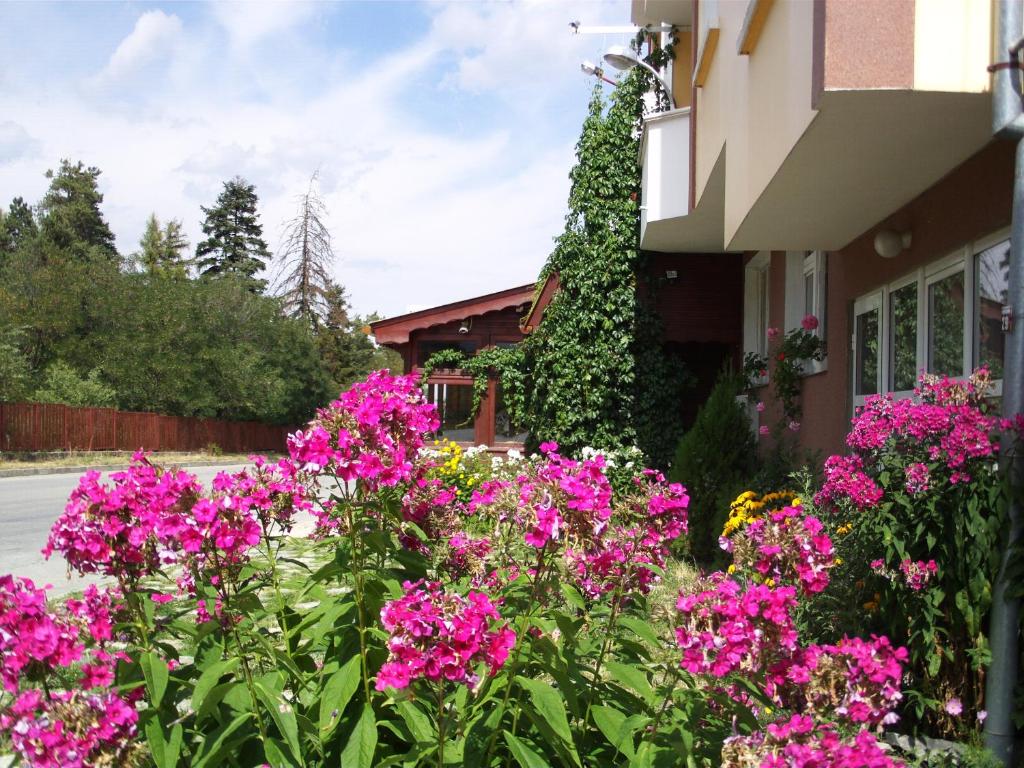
(443, 132)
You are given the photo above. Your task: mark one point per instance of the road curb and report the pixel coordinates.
(29, 471)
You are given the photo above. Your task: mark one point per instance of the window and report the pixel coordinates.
(806, 290)
(991, 281)
(755, 304)
(427, 348)
(505, 430)
(867, 345)
(945, 318)
(454, 409)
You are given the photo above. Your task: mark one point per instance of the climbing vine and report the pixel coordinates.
(505, 363)
(596, 372)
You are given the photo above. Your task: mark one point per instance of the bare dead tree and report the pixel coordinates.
(305, 258)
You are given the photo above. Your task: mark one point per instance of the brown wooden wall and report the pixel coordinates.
(53, 427)
(487, 330)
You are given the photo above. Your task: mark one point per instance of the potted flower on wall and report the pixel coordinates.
(788, 355)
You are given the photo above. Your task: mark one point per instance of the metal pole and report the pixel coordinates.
(1001, 679)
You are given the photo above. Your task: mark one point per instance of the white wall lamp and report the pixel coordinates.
(465, 326)
(624, 59)
(890, 244)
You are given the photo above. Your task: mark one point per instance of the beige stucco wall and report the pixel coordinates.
(953, 45)
(756, 106)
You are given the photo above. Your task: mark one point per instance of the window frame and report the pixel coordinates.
(800, 265)
(757, 292)
(961, 261)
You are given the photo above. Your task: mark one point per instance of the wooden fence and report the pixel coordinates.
(51, 427)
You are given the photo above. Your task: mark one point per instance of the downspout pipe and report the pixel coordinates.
(1004, 627)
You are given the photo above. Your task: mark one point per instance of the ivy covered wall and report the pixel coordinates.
(596, 372)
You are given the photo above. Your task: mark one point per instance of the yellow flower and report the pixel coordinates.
(731, 569)
(839, 561)
(770, 582)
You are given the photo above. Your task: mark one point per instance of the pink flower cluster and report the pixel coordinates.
(440, 635)
(274, 491)
(122, 530)
(857, 680)
(800, 743)
(618, 557)
(371, 433)
(564, 497)
(785, 546)
(32, 639)
(918, 573)
(845, 480)
(728, 627)
(71, 729)
(66, 728)
(946, 426)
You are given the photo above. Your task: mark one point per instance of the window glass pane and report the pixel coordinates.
(991, 276)
(946, 325)
(809, 308)
(505, 431)
(455, 409)
(903, 337)
(867, 353)
(762, 311)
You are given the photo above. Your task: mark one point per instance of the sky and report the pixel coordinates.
(443, 133)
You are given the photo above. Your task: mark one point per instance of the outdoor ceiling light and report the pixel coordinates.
(622, 58)
(889, 244)
(465, 326)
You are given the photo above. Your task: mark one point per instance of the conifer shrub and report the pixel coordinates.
(717, 456)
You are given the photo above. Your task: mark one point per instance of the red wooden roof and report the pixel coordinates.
(396, 330)
(536, 313)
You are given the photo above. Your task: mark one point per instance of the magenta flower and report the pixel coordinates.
(763, 431)
(760, 406)
(954, 707)
(773, 334)
(440, 635)
(809, 323)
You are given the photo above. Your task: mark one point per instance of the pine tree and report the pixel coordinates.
(161, 249)
(69, 213)
(17, 226)
(234, 242)
(306, 255)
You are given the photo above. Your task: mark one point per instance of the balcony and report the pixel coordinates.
(666, 217)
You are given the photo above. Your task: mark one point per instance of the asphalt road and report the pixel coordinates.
(29, 506)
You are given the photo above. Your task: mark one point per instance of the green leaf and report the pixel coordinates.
(336, 694)
(277, 754)
(525, 756)
(573, 596)
(632, 678)
(550, 709)
(156, 673)
(419, 724)
(209, 679)
(612, 724)
(362, 743)
(210, 752)
(641, 629)
(283, 713)
(165, 751)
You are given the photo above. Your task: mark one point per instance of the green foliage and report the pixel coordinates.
(63, 384)
(345, 348)
(15, 373)
(234, 242)
(69, 213)
(595, 368)
(788, 359)
(715, 460)
(162, 249)
(17, 227)
(503, 363)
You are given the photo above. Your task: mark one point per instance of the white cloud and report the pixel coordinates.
(15, 142)
(248, 22)
(154, 35)
(435, 191)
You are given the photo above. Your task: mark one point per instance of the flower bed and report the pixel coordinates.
(514, 619)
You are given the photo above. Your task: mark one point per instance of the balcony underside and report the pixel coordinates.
(865, 155)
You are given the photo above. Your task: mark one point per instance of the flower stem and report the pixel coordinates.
(441, 723)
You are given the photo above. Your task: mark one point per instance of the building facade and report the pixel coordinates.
(843, 151)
